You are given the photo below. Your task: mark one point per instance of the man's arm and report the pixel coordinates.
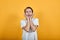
(33, 27)
(27, 27)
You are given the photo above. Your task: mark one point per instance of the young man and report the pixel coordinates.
(29, 25)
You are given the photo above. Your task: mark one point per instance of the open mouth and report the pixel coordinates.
(29, 15)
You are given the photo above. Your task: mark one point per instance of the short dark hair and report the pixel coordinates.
(28, 8)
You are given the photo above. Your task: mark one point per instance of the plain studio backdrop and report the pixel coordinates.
(12, 12)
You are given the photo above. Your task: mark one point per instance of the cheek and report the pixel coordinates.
(27, 14)
(31, 13)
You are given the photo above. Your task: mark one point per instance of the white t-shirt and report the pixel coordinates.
(29, 35)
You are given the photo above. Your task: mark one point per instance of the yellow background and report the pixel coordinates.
(12, 11)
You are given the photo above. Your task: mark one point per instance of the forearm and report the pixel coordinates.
(27, 27)
(33, 27)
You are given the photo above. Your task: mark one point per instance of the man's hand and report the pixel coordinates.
(33, 27)
(27, 27)
(30, 24)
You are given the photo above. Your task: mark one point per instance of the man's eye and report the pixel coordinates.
(29, 11)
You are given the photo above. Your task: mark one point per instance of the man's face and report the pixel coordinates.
(28, 12)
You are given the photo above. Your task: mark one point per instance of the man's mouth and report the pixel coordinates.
(29, 15)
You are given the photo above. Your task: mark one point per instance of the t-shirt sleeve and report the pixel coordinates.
(36, 21)
(23, 23)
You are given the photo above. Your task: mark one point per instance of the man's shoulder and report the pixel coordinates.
(23, 20)
(35, 18)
